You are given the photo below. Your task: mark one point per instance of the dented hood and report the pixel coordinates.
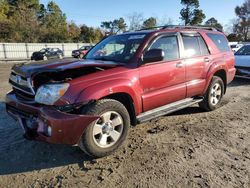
(34, 68)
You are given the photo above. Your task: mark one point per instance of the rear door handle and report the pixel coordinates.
(179, 65)
(206, 60)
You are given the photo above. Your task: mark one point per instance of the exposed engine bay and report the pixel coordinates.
(63, 76)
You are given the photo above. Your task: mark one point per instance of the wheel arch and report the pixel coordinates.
(223, 75)
(120, 90)
(217, 71)
(127, 101)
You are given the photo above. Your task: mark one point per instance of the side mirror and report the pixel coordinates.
(153, 55)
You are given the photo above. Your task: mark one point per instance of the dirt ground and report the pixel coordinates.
(189, 148)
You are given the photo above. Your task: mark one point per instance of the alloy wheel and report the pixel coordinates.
(108, 129)
(216, 93)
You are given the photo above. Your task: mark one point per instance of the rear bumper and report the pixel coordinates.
(47, 124)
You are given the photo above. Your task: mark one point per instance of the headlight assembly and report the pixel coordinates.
(50, 93)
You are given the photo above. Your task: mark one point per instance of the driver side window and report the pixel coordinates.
(169, 45)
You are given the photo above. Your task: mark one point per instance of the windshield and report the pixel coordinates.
(45, 50)
(83, 48)
(119, 48)
(245, 50)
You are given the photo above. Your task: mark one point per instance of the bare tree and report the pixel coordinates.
(135, 21)
(165, 20)
(229, 27)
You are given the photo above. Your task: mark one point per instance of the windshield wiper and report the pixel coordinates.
(104, 59)
(107, 59)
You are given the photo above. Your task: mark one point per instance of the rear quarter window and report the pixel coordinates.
(220, 41)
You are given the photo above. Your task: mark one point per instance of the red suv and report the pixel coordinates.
(81, 52)
(124, 80)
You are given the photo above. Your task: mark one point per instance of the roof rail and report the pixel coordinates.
(205, 27)
(184, 27)
(151, 28)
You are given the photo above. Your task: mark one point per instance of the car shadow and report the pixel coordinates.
(188, 111)
(239, 82)
(19, 155)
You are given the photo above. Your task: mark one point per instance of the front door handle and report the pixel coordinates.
(179, 65)
(206, 60)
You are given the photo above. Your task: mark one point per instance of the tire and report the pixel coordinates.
(103, 136)
(214, 95)
(81, 56)
(45, 58)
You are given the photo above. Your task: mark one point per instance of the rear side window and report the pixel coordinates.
(191, 46)
(194, 46)
(220, 41)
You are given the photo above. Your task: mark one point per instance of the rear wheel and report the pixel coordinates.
(213, 95)
(106, 134)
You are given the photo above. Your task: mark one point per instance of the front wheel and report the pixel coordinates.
(45, 58)
(213, 95)
(81, 56)
(103, 136)
(60, 56)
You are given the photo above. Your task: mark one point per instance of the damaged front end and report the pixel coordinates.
(42, 100)
(49, 124)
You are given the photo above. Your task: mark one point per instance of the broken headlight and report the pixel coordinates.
(50, 93)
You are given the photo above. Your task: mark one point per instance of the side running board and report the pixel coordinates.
(167, 109)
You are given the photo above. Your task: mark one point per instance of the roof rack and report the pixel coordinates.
(183, 27)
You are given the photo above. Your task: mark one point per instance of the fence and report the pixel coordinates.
(22, 51)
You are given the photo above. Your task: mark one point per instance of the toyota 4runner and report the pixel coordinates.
(124, 80)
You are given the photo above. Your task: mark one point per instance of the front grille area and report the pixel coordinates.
(23, 96)
(21, 85)
(19, 112)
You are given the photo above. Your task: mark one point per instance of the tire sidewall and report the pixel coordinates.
(81, 56)
(214, 81)
(87, 140)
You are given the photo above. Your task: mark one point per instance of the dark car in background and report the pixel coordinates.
(47, 53)
(81, 52)
(242, 61)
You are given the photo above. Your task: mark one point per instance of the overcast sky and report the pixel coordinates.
(93, 12)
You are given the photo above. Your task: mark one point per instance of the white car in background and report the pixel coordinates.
(235, 46)
(242, 61)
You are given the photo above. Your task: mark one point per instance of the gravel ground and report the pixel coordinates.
(189, 148)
